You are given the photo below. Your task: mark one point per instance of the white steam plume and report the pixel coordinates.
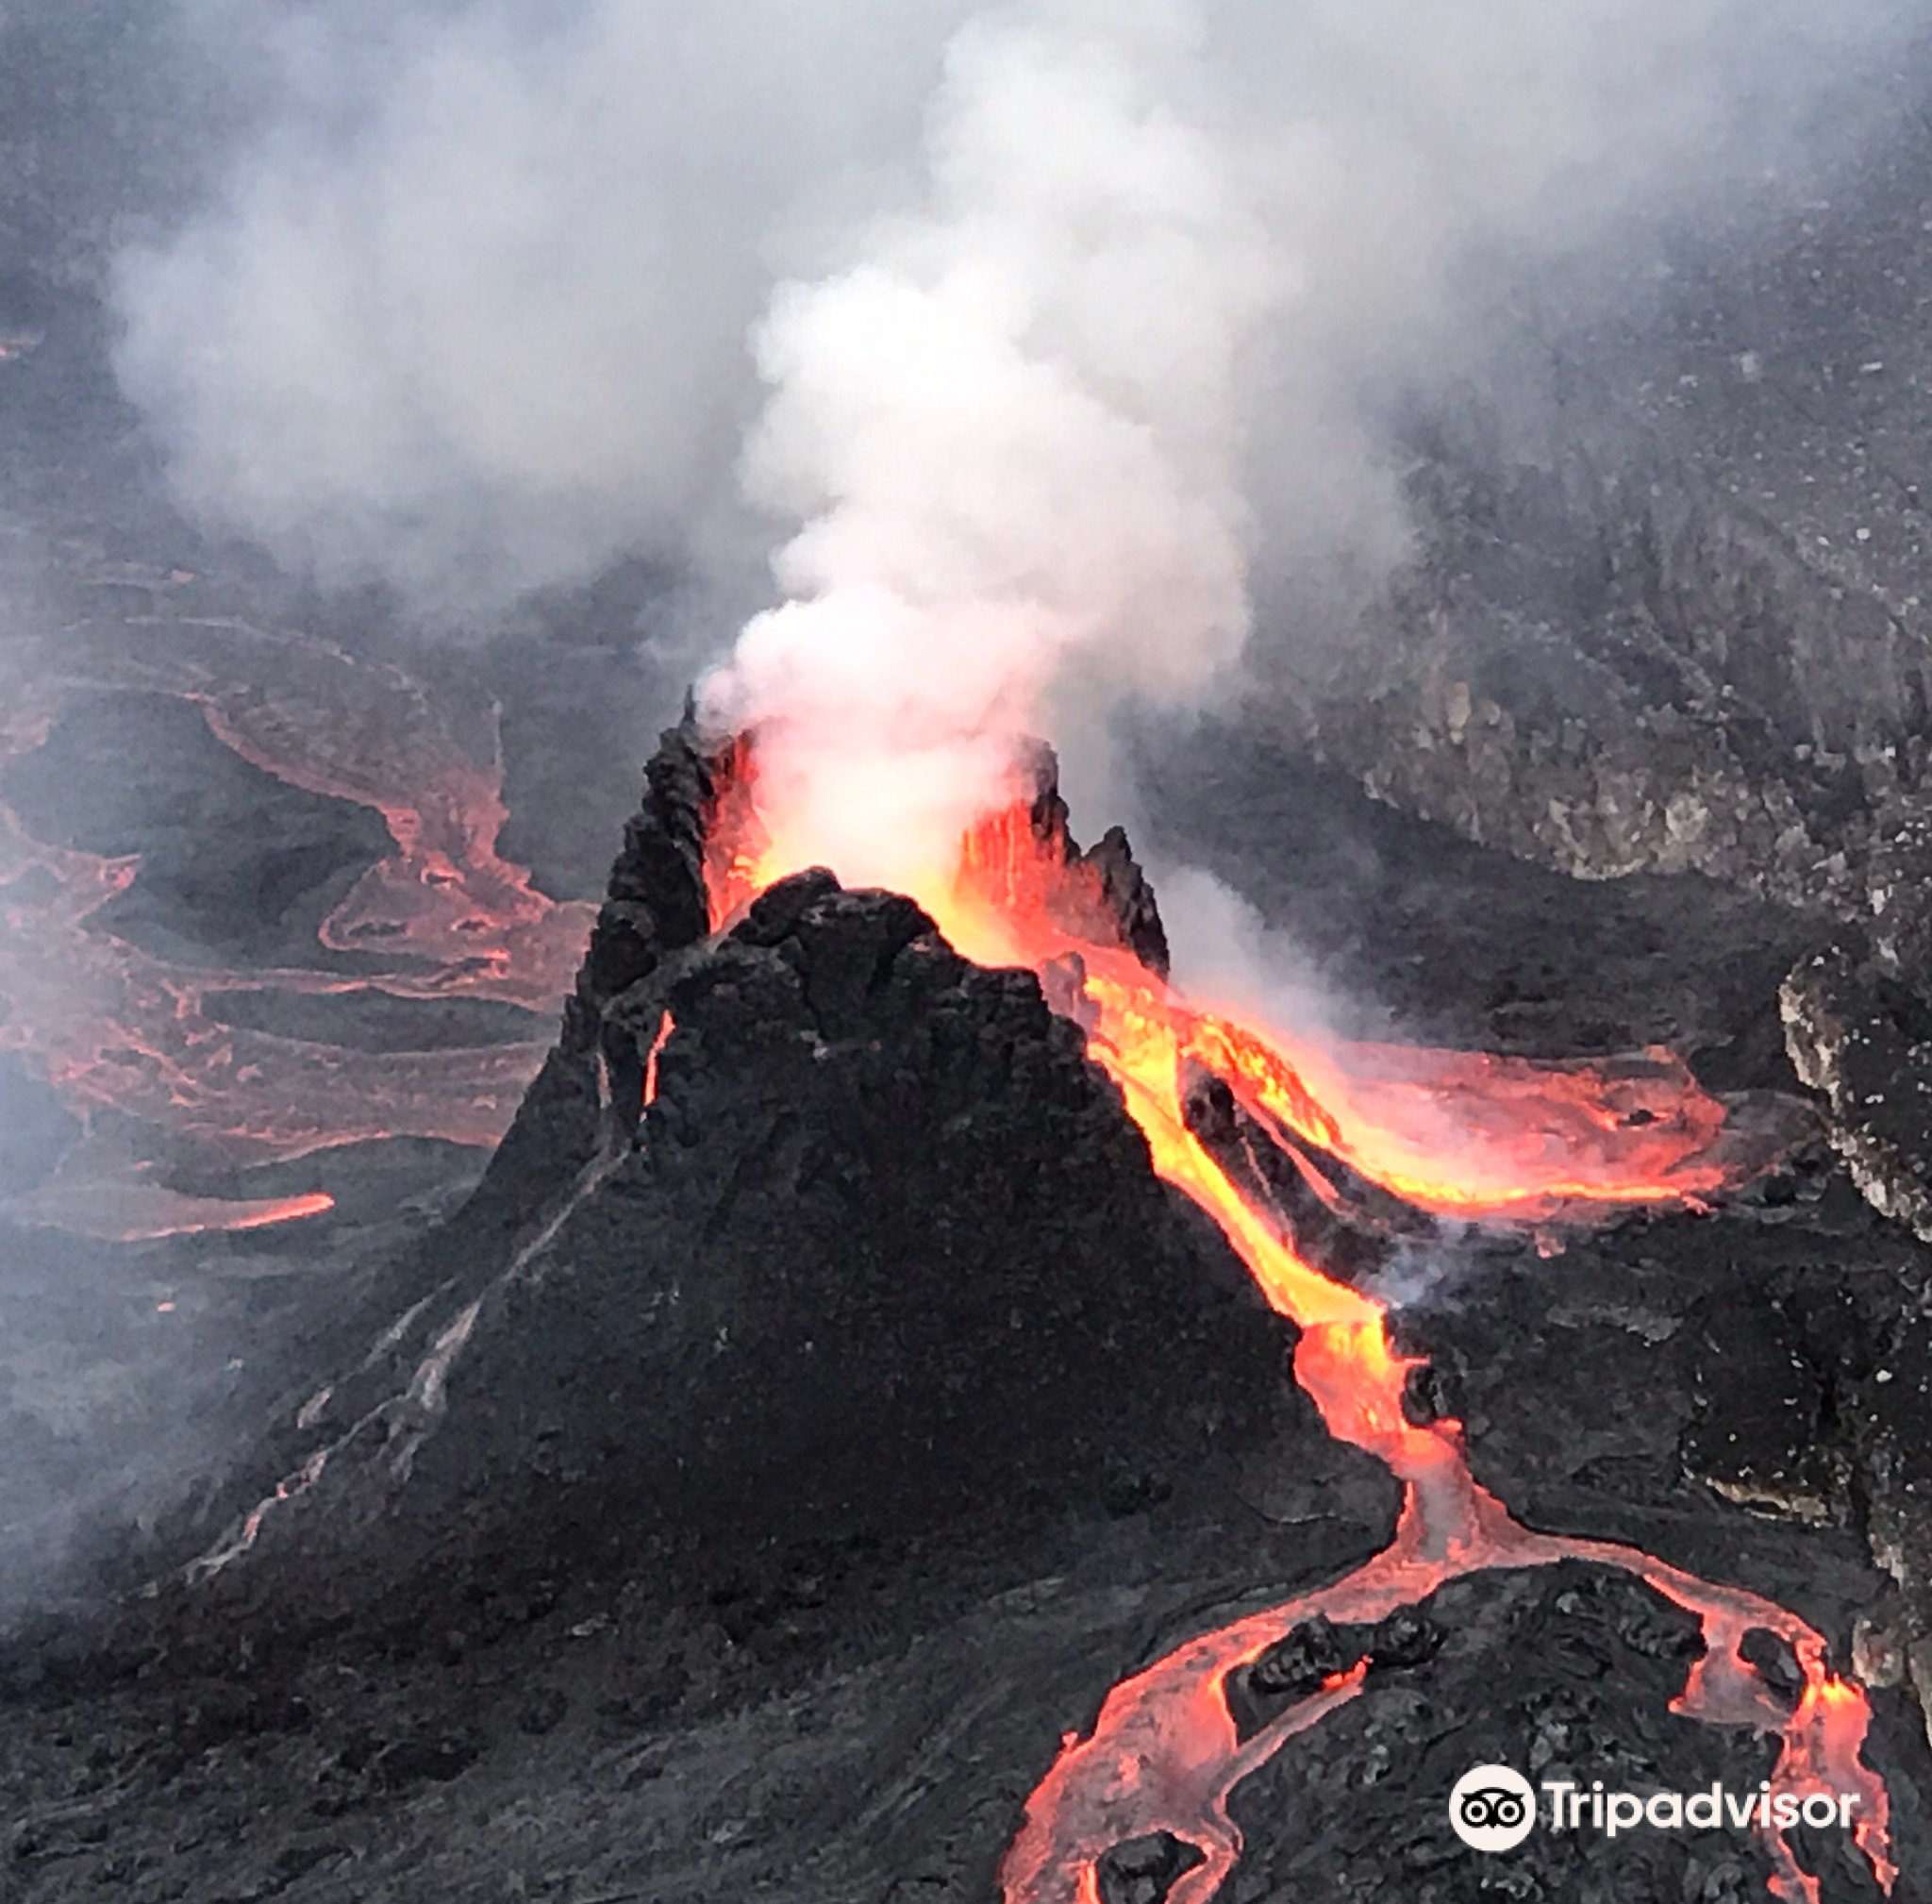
(465, 312)
(1011, 430)
(1017, 430)
(467, 308)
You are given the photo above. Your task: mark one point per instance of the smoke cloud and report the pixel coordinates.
(1012, 433)
(1065, 314)
(1019, 430)
(466, 310)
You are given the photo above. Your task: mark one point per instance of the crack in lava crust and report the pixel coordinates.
(1460, 1134)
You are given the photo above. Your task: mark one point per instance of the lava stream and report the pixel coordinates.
(1462, 1134)
(143, 1048)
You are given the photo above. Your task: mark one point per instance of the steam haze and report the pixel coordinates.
(1065, 314)
(467, 309)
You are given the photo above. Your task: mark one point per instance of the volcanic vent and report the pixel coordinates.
(1228, 1113)
(809, 1228)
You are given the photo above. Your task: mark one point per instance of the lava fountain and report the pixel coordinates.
(1465, 1136)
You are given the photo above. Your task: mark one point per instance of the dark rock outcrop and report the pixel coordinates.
(1669, 607)
(1863, 1039)
(654, 908)
(1888, 1411)
(1124, 907)
(882, 1254)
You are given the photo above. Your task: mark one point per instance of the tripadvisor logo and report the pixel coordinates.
(1493, 1808)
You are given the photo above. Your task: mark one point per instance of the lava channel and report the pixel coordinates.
(1459, 1134)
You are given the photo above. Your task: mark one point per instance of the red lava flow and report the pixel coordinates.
(1461, 1134)
(134, 1043)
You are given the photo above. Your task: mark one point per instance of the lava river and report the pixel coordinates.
(1459, 1134)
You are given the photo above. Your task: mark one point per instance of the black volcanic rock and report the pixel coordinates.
(883, 1255)
(1861, 1035)
(1887, 1413)
(1145, 1870)
(654, 907)
(1351, 1226)
(1123, 888)
(1759, 1438)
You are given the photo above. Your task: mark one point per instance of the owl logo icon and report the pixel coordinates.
(1492, 1808)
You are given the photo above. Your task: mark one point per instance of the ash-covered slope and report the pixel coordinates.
(882, 1253)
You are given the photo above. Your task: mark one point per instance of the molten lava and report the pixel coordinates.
(131, 1041)
(1464, 1135)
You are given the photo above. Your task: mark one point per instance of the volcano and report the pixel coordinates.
(1371, 1345)
(806, 1221)
(868, 1363)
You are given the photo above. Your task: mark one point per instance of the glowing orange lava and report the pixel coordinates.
(133, 1042)
(1461, 1134)
(666, 1025)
